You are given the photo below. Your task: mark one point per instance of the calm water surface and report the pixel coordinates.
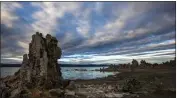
(67, 72)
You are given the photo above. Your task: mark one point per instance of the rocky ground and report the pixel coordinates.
(159, 83)
(154, 83)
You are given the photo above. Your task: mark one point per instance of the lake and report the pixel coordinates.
(67, 72)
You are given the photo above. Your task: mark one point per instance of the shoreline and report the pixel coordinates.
(155, 84)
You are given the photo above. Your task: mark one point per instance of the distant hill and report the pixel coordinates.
(62, 65)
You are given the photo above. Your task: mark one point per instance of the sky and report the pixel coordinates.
(92, 32)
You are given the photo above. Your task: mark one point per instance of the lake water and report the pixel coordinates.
(67, 72)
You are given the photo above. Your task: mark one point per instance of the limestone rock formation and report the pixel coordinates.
(134, 65)
(42, 62)
(39, 68)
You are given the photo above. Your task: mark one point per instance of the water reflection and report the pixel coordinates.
(67, 72)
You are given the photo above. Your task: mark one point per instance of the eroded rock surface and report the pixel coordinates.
(39, 69)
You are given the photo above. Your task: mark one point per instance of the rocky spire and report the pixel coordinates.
(39, 69)
(41, 65)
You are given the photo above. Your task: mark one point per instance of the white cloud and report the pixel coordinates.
(168, 42)
(7, 13)
(115, 30)
(99, 7)
(49, 13)
(83, 22)
(158, 56)
(112, 30)
(84, 19)
(24, 45)
(11, 60)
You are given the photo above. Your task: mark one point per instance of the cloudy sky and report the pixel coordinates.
(92, 32)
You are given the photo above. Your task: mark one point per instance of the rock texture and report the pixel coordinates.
(42, 61)
(39, 69)
(134, 65)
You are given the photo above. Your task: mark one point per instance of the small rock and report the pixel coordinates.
(71, 85)
(15, 93)
(109, 87)
(114, 95)
(68, 92)
(56, 92)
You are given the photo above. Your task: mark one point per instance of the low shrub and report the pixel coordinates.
(131, 86)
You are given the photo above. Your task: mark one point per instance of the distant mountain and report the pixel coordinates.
(62, 65)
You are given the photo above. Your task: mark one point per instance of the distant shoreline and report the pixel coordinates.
(61, 65)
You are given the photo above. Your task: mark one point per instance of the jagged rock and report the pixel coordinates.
(15, 93)
(20, 93)
(39, 68)
(4, 90)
